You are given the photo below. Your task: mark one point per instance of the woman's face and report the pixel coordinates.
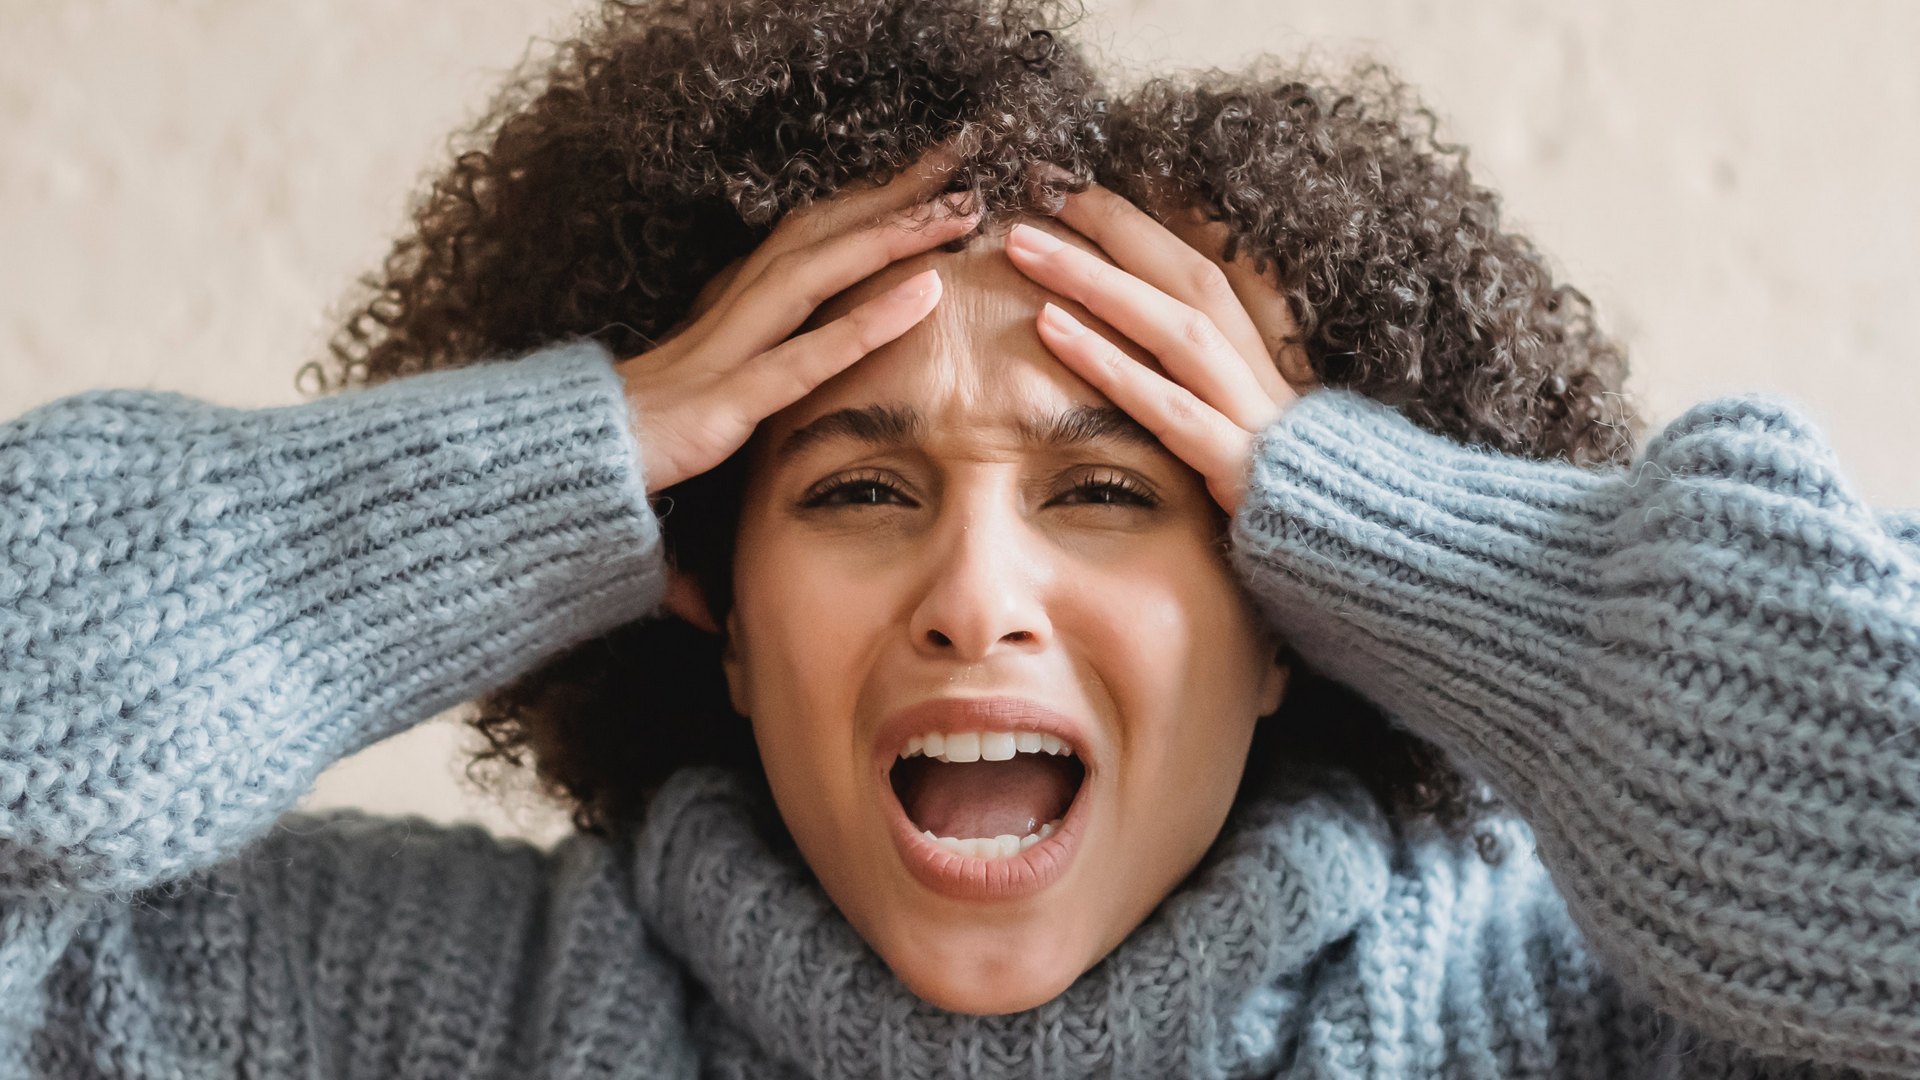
(964, 562)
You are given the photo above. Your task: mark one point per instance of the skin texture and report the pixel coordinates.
(984, 572)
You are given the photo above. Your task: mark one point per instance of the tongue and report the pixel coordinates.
(988, 798)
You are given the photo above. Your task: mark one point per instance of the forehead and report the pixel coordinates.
(975, 366)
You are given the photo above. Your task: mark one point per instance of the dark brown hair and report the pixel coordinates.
(608, 182)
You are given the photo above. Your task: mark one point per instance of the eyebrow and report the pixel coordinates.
(899, 425)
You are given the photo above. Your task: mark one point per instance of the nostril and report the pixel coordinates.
(1021, 636)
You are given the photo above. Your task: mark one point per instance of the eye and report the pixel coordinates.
(1114, 488)
(869, 490)
(857, 490)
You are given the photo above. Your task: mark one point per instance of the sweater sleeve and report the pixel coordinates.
(203, 607)
(1697, 678)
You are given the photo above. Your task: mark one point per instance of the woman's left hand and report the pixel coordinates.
(1185, 309)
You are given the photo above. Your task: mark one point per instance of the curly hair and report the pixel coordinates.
(608, 182)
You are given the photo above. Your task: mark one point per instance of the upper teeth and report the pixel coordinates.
(983, 745)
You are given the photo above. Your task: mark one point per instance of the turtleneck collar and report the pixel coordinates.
(1201, 989)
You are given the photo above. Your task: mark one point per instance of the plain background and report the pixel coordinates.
(188, 190)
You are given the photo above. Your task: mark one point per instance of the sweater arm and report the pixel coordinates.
(1697, 678)
(203, 607)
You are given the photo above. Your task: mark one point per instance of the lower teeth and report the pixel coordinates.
(992, 847)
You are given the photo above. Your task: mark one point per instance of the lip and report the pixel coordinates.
(964, 877)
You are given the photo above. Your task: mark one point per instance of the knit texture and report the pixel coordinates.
(1697, 679)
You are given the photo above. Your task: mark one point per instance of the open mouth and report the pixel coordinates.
(987, 795)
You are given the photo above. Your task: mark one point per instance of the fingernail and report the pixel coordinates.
(1062, 323)
(1035, 240)
(920, 284)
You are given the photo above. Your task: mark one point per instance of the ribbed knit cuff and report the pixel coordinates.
(466, 525)
(1443, 581)
(1693, 677)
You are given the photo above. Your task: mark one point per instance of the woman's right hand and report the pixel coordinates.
(699, 394)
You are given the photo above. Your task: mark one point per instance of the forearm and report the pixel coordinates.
(1698, 678)
(202, 607)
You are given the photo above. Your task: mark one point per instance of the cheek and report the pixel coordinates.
(809, 640)
(794, 658)
(1184, 659)
(798, 627)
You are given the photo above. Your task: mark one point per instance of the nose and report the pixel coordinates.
(988, 575)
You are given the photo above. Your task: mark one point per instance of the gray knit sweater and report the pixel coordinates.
(1697, 680)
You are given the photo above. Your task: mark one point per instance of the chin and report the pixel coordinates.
(993, 981)
(993, 996)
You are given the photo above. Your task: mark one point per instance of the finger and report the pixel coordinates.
(921, 180)
(1260, 295)
(855, 206)
(1185, 339)
(852, 209)
(783, 375)
(1159, 256)
(1196, 432)
(719, 289)
(797, 282)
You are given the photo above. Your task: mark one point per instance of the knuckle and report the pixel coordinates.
(813, 294)
(1182, 407)
(1208, 283)
(791, 230)
(782, 266)
(868, 222)
(784, 367)
(792, 368)
(1198, 330)
(749, 276)
(788, 272)
(866, 330)
(811, 225)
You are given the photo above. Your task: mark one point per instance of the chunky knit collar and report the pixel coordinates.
(1200, 989)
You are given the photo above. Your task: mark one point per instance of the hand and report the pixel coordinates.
(699, 394)
(1185, 308)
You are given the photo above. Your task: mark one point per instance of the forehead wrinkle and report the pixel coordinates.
(968, 367)
(976, 343)
(987, 383)
(975, 359)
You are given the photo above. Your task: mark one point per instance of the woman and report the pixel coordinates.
(1036, 507)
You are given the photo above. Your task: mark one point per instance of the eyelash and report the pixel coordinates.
(1132, 492)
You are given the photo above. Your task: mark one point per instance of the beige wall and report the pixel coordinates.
(187, 190)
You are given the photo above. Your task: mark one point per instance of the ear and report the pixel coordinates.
(730, 662)
(685, 599)
(1274, 679)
